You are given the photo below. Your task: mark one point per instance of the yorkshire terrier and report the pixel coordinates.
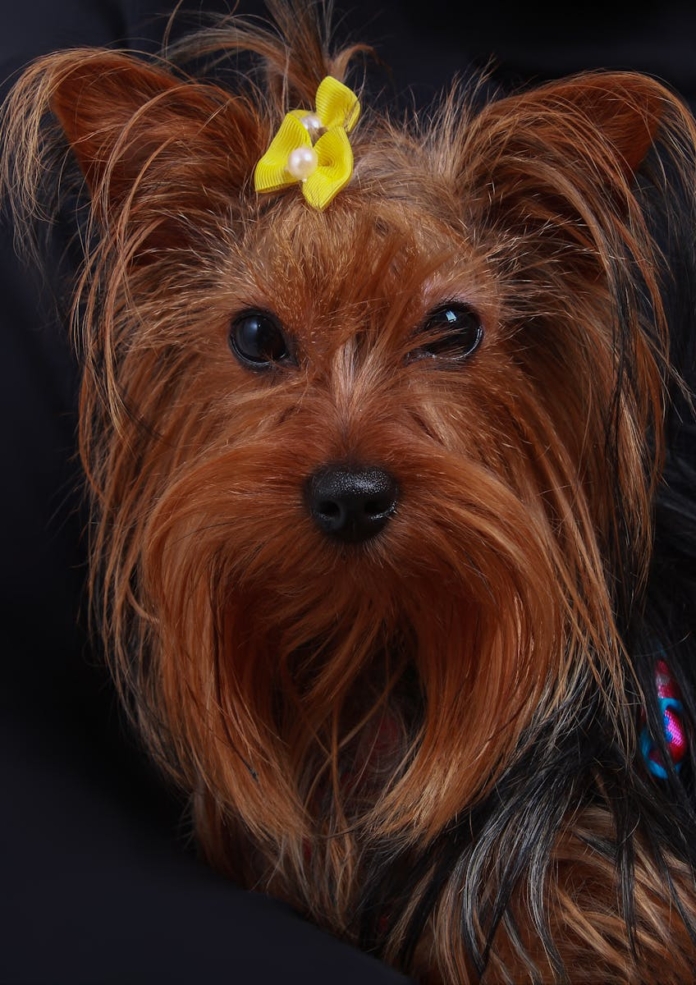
(387, 429)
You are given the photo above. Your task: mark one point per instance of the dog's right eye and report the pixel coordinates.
(257, 340)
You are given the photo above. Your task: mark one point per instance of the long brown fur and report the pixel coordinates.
(334, 708)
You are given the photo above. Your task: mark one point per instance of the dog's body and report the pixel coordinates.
(386, 552)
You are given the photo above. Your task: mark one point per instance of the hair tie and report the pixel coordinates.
(313, 148)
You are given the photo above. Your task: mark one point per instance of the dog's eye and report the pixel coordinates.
(257, 339)
(452, 331)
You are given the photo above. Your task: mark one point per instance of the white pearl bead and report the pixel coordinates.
(312, 124)
(302, 162)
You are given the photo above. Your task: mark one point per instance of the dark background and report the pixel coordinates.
(98, 878)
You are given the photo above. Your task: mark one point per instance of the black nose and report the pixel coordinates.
(351, 504)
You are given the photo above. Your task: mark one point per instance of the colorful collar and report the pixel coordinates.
(669, 698)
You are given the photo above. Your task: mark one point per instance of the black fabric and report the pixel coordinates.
(99, 879)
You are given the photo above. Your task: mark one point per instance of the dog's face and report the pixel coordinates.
(347, 487)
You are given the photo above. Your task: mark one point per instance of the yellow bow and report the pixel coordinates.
(313, 148)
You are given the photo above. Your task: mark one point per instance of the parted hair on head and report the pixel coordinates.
(393, 546)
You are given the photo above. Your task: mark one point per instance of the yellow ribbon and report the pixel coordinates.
(329, 161)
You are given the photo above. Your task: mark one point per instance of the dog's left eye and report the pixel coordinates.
(257, 339)
(451, 331)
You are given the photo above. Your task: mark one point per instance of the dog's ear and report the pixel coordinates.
(623, 107)
(626, 109)
(560, 163)
(575, 119)
(145, 138)
(579, 139)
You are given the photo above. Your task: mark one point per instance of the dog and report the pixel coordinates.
(387, 428)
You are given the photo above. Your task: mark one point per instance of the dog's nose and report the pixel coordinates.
(351, 504)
